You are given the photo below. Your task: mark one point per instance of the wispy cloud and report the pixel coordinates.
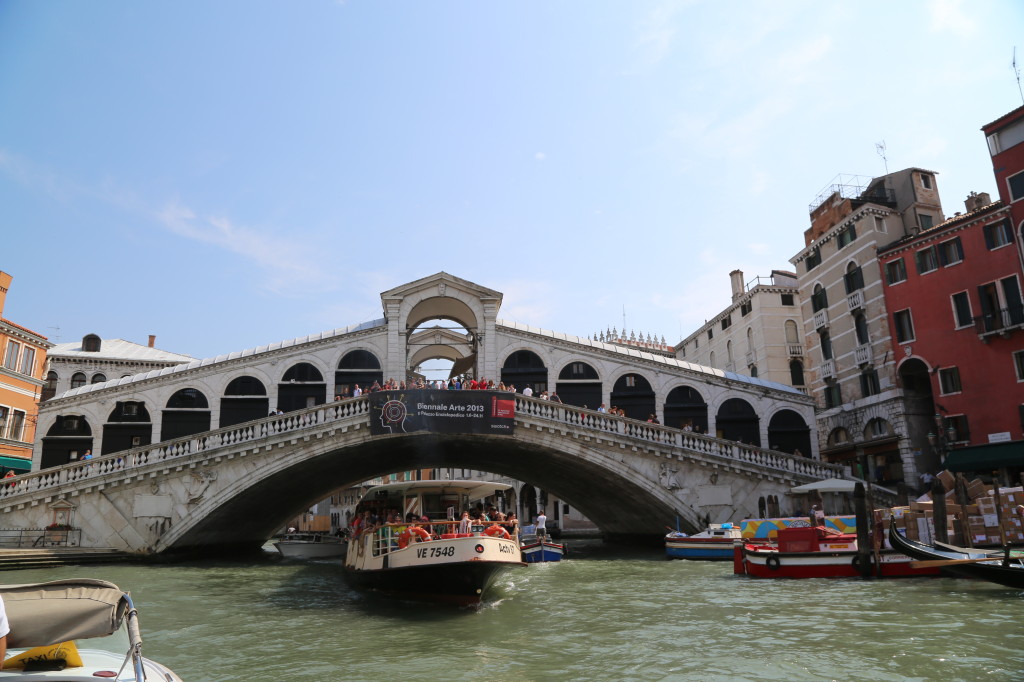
(291, 268)
(951, 16)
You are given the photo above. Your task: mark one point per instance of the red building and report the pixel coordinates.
(1004, 137)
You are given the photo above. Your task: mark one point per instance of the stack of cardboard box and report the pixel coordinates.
(987, 520)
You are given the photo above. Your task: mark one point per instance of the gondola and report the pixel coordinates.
(982, 565)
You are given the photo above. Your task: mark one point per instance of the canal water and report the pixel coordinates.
(606, 613)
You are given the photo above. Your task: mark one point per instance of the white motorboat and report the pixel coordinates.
(49, 621)
(430, 559)
(309, 546)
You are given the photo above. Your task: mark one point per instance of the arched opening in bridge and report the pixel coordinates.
(66, 441)
(633, 393)
(437, 346)
(685, 408)
(128, 426)
(245, 399)
(357, 368)
(429, 323)
(525, 368)
(301, 386)
(187, 412)
(736, 420)
(579, 385)
(788, 432)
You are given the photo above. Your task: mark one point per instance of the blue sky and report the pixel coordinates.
(229, 174)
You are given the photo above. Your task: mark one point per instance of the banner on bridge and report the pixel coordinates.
(490, 412)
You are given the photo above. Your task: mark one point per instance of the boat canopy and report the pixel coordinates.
(41, 614)
(472, 488)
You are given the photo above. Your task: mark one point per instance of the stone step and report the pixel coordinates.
(13, 559)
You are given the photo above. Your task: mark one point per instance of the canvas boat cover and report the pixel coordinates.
(41, 614)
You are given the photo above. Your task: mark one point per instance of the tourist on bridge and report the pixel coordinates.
(527, 391)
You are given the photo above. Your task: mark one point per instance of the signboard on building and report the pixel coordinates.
(439, 411)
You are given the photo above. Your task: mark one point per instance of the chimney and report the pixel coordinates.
(152, 340)
(974, 201)
(5, 284)
(736, 277)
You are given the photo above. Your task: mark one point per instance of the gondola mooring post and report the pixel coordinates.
(860, 506)
(939, 511)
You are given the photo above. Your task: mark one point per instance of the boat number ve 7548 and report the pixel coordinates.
(424, 552)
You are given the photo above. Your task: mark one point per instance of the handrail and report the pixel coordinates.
(254, 431)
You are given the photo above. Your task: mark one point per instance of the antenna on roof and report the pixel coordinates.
(1016, 72)
(880, 148)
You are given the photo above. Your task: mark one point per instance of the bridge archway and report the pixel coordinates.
(128, 426)
(358, 367)
(66, 440)
(737, 420)
(301, 386)
(187, 412)
(632, 392)
(685, 407)
(579, 385)
(245, 398)
(524, 368)
(246, 512)
(788, 432)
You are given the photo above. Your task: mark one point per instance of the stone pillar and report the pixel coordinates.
(487, 360)
(394, 364)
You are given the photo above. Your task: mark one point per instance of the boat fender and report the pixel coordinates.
(772, 562)
(497, 531)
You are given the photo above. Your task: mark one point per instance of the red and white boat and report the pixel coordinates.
(819, 552)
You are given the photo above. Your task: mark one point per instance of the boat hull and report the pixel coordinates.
(309, 550)
(699, 549)
(762, 562)
(542, 552)
(1011, 575)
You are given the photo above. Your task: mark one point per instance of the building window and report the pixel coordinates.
(1016, 185)
(11, 357)
(854, 278)
(726, 321)
(926, 260)
(895, 271)
(787, 299)
(826, 346)
(860, 325)
(631, 381)
(745, 308)
(833, 398)
(1001, 305)
(819, 299)
(904, 324)
(78, 380)
(962, 310)
(879, 224)
(796, 373)
(28, 360)
(16, 427)
(753, 371)
(1018, 364)
(926, 221)
(951, 252)
(99, 378)
(949, 380)
(813, 259)
(711, 362)
(998, 235)
(961, 431)
(711, 333)
(869, 383)
(847, 236)
(4, 412)
(792, 334)
(926, 180)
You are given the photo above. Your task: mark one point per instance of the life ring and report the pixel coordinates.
(772, 562)
(406, 535)
(497, 530)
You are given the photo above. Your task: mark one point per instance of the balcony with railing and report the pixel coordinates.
(862, 354)
(828, 369)
(796, 350)
(750, 358)
(821, 319)
(855, 300)
(1003, 321)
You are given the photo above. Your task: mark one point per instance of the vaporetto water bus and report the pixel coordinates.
(430, 559)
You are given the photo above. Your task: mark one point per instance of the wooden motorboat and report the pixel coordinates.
(961, 562)
(714, 543)
(49, 621)
(309, 545)
(540, 549)
(430, 560)
(819, 552)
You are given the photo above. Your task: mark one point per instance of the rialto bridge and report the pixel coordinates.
(187, 457)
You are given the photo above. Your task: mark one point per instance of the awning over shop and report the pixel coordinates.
(17, 463)
(986, 457)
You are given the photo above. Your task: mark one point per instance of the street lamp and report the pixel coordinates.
(942, 437)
